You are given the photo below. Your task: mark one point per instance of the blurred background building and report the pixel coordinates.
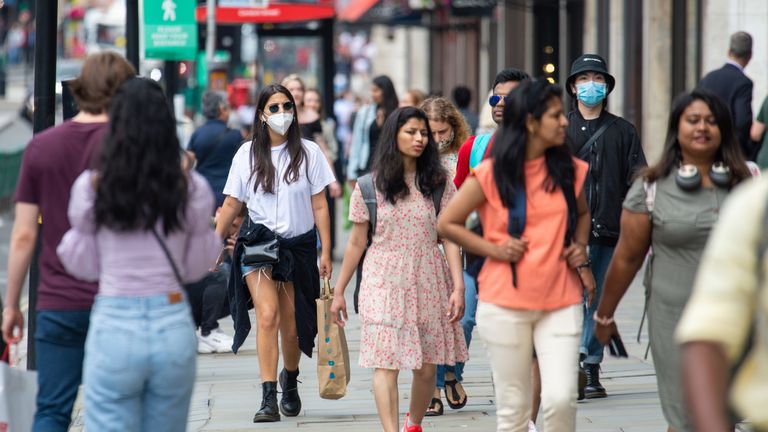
(655, 48)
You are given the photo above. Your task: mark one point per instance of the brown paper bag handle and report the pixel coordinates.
(327, 290)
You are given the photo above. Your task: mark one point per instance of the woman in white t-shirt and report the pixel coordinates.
(281, 178)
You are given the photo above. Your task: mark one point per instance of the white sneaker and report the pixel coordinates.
(532, 427)
(216, 341)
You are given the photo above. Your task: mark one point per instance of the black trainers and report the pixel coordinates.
(593, 390)
(268, 411)
(290, 402)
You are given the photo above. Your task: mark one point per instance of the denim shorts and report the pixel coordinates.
(248, 269)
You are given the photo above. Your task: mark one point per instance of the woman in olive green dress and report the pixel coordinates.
(671, 207)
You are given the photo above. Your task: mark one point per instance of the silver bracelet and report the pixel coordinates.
(602, 321)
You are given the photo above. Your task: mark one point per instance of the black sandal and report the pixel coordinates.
(455, 395)
(435, 408)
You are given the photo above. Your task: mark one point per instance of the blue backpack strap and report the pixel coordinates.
(368, 190)
(516, 222)
(479, 147)
(517, 213)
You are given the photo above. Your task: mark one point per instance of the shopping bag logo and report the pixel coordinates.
(333, 368)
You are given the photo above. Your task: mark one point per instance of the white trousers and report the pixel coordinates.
(510, 336)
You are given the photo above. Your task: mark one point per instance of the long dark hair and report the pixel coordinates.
(529, 98)
(389, 171)
(261, 146)
(729, 151)
(389, 96)
(140, 175)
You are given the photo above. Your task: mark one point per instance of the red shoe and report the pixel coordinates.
(408, 427)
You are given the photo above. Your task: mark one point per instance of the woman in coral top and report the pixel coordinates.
(530, 287)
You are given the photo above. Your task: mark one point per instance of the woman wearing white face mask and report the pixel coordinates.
(281, 178)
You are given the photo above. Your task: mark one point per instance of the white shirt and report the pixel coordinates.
(289, 210)
(738, 66)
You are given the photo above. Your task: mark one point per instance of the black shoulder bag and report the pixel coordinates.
(265, 252)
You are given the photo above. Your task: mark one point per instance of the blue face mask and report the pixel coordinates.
(591, 93)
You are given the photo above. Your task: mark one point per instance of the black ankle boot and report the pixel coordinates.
(290, 402)
(582, 382)
(593, 390)
(268, 411)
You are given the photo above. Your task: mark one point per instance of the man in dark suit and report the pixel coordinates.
(735, 89)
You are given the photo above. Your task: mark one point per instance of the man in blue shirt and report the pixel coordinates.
(215, 144)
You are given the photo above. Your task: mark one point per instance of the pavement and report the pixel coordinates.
(228, 392)
(228, 389)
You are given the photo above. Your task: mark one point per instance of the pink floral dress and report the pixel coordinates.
(406, 285)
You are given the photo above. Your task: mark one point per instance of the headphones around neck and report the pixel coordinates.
(688, 177)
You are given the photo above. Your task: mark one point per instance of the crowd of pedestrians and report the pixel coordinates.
(530, 229)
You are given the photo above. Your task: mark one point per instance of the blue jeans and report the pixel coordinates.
(60, 345)
(468, 323)
(139, 364)
(591, 350)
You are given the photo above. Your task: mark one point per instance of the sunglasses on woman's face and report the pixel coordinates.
(495, 99)
(274, 108)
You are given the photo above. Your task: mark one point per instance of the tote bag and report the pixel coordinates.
(332, 353)
(18, 391)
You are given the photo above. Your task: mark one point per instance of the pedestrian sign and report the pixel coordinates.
(170, 29)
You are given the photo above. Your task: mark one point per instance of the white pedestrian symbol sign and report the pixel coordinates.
(169, 10)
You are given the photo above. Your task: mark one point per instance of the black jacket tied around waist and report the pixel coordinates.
(298, 264)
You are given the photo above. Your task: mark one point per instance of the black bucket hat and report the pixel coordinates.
(589, 63)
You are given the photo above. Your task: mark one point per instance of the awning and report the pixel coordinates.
(273, 13)
(354, 9)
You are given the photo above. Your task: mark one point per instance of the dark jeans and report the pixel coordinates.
(208, 300)
(60, 345)
(591, 350)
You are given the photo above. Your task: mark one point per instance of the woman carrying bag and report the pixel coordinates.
(141, 227)
(281, 178)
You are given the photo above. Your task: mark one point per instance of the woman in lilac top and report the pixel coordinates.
(139, 365)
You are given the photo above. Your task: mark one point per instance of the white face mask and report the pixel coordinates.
(279, 123)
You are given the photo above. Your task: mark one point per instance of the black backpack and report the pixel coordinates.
(368, 190)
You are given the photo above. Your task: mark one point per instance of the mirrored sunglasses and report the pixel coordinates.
(495, 99)
(274, 108)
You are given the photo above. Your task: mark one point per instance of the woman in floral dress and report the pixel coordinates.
(411, 298)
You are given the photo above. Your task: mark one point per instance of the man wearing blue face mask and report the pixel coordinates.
(612, 148)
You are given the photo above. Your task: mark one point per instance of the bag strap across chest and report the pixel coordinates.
(368, 191)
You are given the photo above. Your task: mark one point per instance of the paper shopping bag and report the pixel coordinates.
(18, 390)
(332, 353)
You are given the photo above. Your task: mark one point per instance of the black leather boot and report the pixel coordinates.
(290, 402)
(593, 390)
(268, 411)
(582, 382)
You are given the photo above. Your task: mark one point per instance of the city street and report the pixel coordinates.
(612, 127)
(228, 391)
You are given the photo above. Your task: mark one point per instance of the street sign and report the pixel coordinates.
(170, 30)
